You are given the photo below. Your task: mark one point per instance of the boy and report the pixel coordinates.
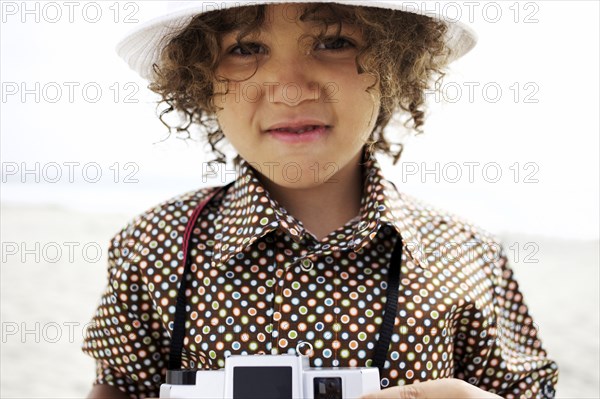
(295, 251)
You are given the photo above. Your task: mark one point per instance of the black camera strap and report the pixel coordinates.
(385, 331)
(391, 308)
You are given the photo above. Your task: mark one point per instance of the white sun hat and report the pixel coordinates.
(141, 48)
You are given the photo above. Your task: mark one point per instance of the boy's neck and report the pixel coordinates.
(324, 208)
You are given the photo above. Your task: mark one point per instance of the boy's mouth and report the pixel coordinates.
(298, 130)
(298, 126)
(301, 133)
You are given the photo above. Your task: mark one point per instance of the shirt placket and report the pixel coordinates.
(284, 333)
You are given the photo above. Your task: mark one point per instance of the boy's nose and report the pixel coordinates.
(290, 80)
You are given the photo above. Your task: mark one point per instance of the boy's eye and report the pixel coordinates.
(328, 44)
(246, 49)
(335, 44)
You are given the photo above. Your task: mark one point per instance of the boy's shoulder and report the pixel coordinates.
(167, 217)
(428, 224)
(435, 234)
(427, 217)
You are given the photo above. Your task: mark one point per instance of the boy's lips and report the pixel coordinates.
(297, 126)
(303, 134)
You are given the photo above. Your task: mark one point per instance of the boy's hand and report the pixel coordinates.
(445, 388)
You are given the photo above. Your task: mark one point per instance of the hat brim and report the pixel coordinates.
(141, 48)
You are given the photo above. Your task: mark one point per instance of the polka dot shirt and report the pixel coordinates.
(261, 283)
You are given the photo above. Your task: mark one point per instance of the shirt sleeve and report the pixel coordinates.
(126, 336)
(497, 343)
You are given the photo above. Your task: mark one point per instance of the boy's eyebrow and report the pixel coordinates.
(232, 35)
(345, 27)
(324, 16)
(312, 18)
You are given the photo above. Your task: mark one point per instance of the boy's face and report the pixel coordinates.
(294, 86)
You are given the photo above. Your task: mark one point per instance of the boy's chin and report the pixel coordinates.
(303, 184)
(296, 175)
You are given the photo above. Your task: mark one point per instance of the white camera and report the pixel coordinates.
(271, 377)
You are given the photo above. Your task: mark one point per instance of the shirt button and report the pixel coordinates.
(306, 264)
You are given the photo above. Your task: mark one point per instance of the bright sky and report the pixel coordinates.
(541, 132)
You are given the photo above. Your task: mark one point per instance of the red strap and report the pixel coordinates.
(180, 311)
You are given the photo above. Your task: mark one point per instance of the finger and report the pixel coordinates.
(412, 391)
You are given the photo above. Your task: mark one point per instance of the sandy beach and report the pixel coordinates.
(53, 273)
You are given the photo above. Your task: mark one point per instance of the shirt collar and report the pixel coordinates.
(247, 212)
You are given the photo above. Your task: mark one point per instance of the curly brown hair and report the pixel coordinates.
(403, 51)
